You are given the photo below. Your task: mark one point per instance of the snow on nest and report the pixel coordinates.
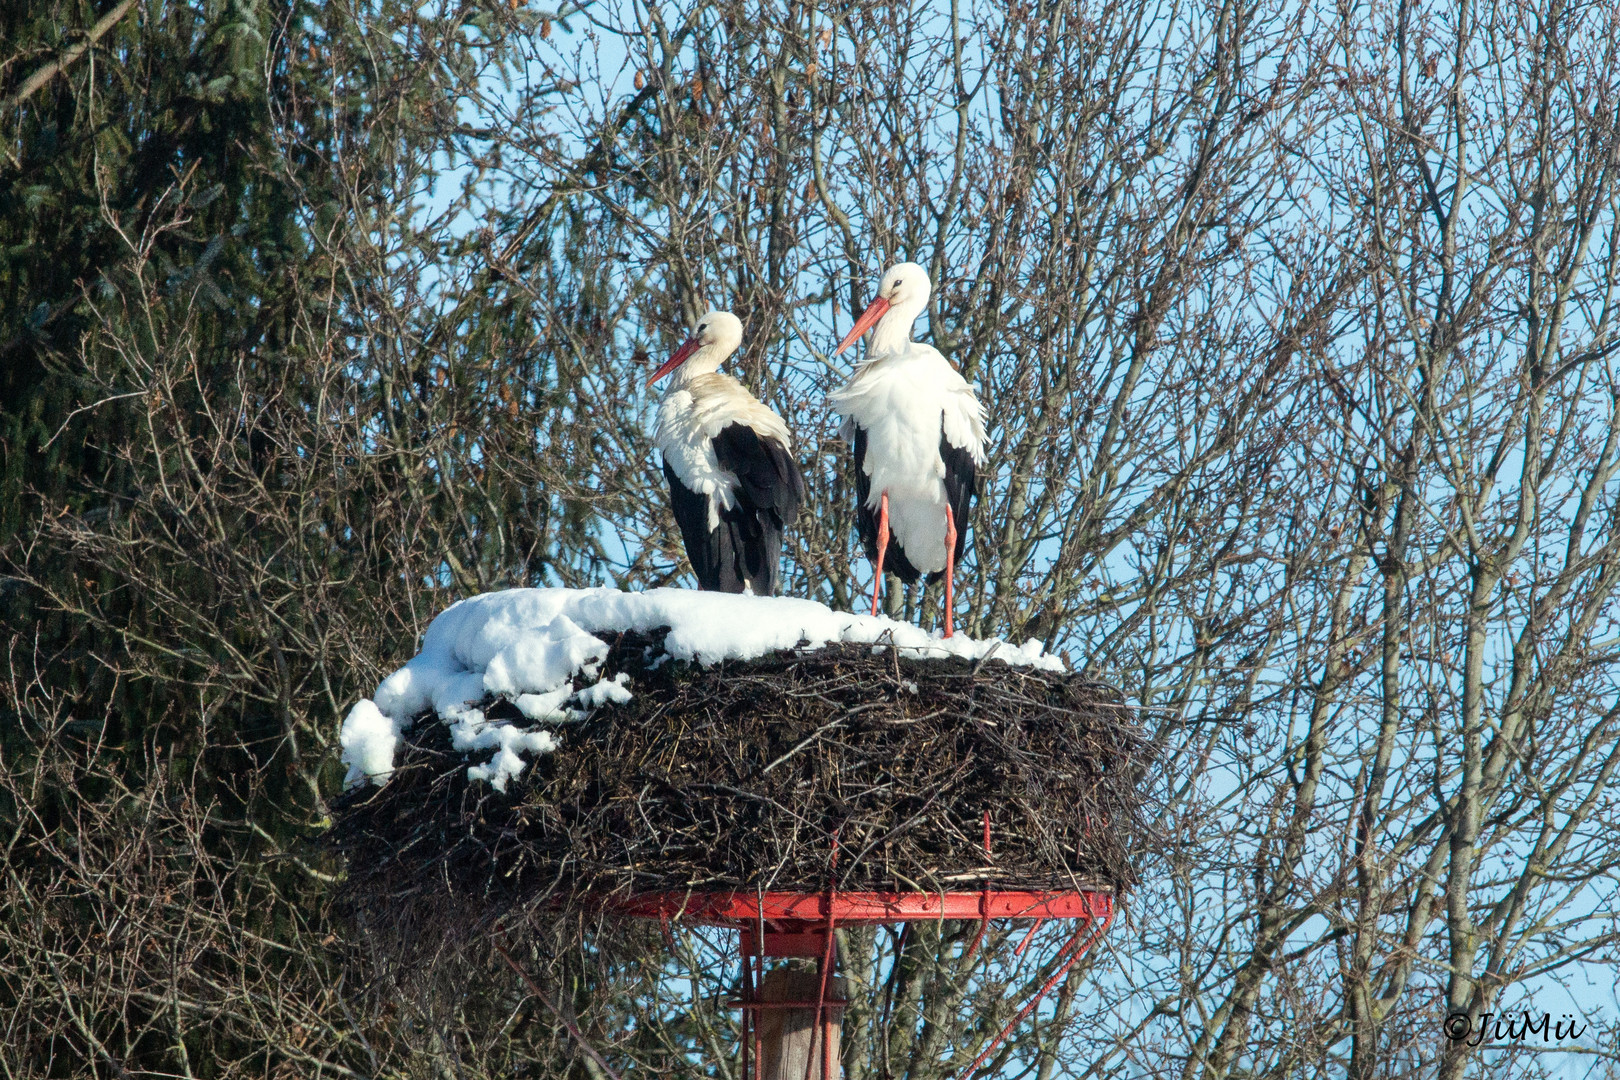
(526, 645)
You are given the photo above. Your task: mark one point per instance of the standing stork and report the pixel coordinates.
(918, 432)
(733, 482)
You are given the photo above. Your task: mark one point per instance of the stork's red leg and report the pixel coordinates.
(950, 568)
(882, 548)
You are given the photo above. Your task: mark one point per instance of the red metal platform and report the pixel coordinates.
(744, 911)
(798, 924)
(787, 924)
(802, 924)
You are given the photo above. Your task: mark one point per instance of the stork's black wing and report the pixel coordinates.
(745, 548)
(770, 489)
(767, 476)
(866, 524)
(707, 549)
(961, 483)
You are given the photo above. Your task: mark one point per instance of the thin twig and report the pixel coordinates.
(573, 1030)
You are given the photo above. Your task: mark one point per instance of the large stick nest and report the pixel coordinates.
(740, 776)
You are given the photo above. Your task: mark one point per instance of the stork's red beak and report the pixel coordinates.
(680, 357)
(874, 311)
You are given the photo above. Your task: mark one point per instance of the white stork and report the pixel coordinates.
(918, 432)
(733, 482)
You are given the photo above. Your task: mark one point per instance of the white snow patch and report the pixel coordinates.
(475, 733)
(534, 659)
(549, 707)
(603, 691)
(368, 740)
(528, 644)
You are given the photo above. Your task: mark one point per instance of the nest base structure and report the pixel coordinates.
(717, 794)
(802, 925)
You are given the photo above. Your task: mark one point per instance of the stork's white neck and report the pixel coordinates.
(705, 361)
(893, 332)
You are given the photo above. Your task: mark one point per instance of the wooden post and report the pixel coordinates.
(790, 1049)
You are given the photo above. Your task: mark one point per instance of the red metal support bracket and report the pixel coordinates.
(1085, 946)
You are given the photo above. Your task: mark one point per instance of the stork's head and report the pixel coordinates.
(716, 337)
(900, 298)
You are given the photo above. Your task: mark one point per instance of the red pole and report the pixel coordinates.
(984, 897)
(827, 959)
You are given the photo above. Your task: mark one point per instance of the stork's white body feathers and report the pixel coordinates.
(905, 401)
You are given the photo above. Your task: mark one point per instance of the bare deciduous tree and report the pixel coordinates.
(1295, 328)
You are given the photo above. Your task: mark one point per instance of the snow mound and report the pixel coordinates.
(527, 645)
